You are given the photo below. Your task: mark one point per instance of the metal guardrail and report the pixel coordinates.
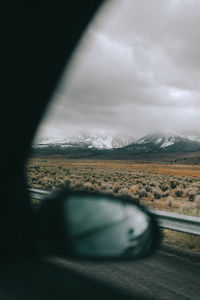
(38, 194)
(177, 222)
(172, 221)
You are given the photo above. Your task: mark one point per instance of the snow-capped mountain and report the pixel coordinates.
(86, 141)
(172, 142)
(121, 146)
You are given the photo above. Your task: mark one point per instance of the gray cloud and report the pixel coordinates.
(136, 70)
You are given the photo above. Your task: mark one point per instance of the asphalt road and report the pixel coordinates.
(167, 274)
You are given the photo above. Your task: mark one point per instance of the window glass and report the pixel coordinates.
(124, 119)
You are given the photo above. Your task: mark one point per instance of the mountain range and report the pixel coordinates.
(165, 143)
(172, 145)
(87, 141)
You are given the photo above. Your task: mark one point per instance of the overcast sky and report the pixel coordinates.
(136, 70)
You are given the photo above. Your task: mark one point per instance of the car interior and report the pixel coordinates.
(38, 41)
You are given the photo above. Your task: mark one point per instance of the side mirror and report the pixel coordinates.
(88, 225)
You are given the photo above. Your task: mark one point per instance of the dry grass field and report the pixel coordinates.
(174, 188)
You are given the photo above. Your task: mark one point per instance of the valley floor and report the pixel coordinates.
(174, 188)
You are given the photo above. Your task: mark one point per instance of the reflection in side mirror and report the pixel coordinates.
(97, 226)
(101, 227)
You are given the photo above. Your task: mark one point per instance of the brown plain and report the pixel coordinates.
(174, 188)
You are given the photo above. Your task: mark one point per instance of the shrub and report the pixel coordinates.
(133, 190)
(170, 201)
(165, 194)
(197, 198)
(142, 193)
(184, 185)
(138, 181)
(153, 183)
(164, 188)
(197, 202)
(173, 184)
(148, 188)
(67, 182)
(157, 193)
(106, 186)
(144, 183)
(192, 192)
(34, 178)
(92, 180)
(96, 187)
(107, 192)
(190, 179)
(88, 186)
(149, 195)
(78, 185)
(178, 192)
(116, 187)
(140, 187)
(124, 193)
(37, 168)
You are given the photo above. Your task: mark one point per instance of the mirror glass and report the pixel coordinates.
(99, 226)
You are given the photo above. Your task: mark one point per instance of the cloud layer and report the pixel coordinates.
(136, 70)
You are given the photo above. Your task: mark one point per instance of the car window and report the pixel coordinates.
(124, 119)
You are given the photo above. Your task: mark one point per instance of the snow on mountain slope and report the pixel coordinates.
(152, 143)
(168, 139)
(168, 142)
(172, 142)
(87, 141)
(159, 140)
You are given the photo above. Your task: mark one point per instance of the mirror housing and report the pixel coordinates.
(95, 226)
